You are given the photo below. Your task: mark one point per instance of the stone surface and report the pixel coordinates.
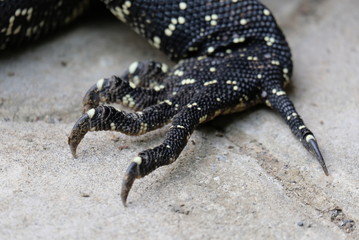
(241, 176)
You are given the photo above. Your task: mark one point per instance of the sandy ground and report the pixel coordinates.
(242, 176)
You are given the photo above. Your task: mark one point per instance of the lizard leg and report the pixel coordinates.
(140, 86)
(278, 100)
(105, 118)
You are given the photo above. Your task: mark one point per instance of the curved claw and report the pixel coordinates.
(313, 147)
(78, 132)
(91, 98)
(94, 97)
(132, 173)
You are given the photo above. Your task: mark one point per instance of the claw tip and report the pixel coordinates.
(325, 170)
(73, 152)
(73, 147)
(124, 199)
(314, 147)
(128, 180)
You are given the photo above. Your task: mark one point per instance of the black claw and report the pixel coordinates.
(313, 146)
(91, 99)
(73, 147)
(77, 134)
(131, 174)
